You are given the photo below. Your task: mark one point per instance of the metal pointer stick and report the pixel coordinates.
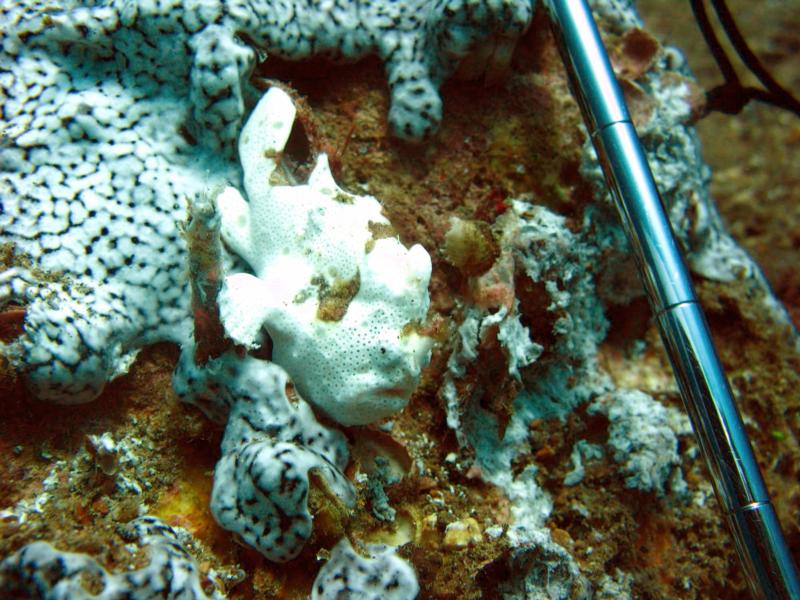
(739, 486)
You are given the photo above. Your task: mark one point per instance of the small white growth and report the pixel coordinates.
(516, 339)
(347, 574)
(494, 531)
(531, 506)
(640, 437)
(39, 570)
(105, 452)
(25, 508)
(618, 587)
(582, 450)
(302, 242)
(461, 534)
(618, 15)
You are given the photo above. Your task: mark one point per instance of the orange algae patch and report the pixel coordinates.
(186, 503)
(655, 545)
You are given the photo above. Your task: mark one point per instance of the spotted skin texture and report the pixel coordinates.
(40, 571)
(272, 441)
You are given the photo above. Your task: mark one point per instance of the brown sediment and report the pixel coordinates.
(84, 506)
(12, 320)
(335, 298)
(202, 234)
(379, 231)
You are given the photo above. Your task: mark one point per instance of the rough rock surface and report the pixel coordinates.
(583, 531)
